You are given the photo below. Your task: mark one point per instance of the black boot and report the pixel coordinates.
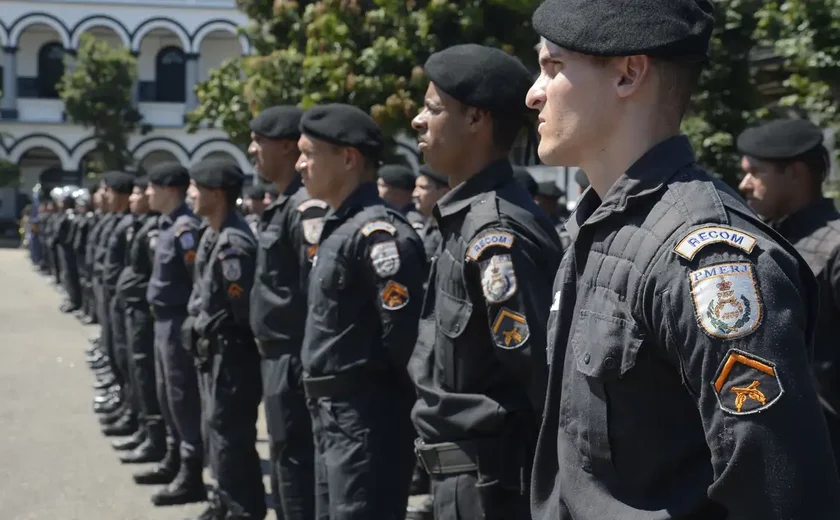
(164, 472)
(153, 449)
(215, 510)
(110, 418)
(105, 383)
(129, 443)
(187, 487)
(107, 407)
(125, 425)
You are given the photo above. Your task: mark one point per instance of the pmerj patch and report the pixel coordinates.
(696, 240)
(385, 258)
(746, 384)
(312, 228)
(498, 279)
(726, 299)
(231, 268)
(488, 240)
(187, 240)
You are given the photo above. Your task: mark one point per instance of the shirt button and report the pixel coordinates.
(586, 359)
(457, 327)
(609, 363)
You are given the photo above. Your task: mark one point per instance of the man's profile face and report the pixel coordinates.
(766, 186)
(441, 126)
(574, 97)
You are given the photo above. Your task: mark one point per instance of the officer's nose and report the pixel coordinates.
(535, 98)
(745, 186)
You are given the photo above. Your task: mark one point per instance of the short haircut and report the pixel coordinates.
(678, 81)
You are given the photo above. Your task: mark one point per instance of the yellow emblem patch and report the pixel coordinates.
(700, 238)
(746, 384)
(510, 329)
(378, 225)
(394, 296)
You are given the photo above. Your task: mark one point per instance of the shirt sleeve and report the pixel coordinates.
(503, 280)
(738, 326)
(393, 259)
(237, 264)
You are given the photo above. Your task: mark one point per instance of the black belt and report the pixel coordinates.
(447, 458)
(168, 313)
(275, 348)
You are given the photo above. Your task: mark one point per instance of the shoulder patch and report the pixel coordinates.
(702, 237)
(746, 384)
(510, 329)
(385, 257)
(498, 280)
(486, 240)
(726, 299)
(394, 296)
(312, 228)
(231, 269)
(417, 225)
(378, 225)
(228, 252)
(312, 203)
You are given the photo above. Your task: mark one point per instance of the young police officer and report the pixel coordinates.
(785, 165)
(228, 361)
(679, 331)
(288, 238)
(364, 301)
(479, 364)
(177, 385)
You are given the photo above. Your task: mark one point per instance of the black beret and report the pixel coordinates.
(141, 182)
(523, 177)
(169, 174)
(280, 122)
(218, 174)
(119, 181)
(272, 191)
(343, 125)
(669, 29)
(439, 178)
(780, 140)
(397, 176)
(549, 189)
(480, 76)
(255, 192)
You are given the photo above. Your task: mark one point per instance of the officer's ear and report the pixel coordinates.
(631, 73)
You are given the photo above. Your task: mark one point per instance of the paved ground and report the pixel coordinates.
(54, 462)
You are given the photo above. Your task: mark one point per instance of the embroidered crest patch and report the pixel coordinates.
(726, 299)
(746, 384)
(386, 258)
(187, 240)
(498, 280)
(700, 238)
(235, 290)
(479, 244)
(510, 329)
(378, 225)
(312, 228)
(231, 269)
(394, 296)
(312, 203)
(189, 256)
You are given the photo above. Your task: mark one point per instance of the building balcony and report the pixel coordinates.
(156, 114)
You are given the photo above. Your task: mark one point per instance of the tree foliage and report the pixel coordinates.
(367, 54)
(9, 174)
(97, 94)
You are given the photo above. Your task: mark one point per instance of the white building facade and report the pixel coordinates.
(176, 42)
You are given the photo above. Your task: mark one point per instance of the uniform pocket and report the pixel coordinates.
(604, 348)
(452, 315)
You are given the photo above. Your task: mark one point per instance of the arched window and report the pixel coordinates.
(170, 76)
(50, 69)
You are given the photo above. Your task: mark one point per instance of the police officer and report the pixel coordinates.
(288, 241)
(396, 186)
(65, 229)
(679, 330)
(98, 358)
(84, 223)
(271, 194)
(118, 191)
(429, 187)
(139, 325)
(52, 234)
(548, 199)
(785, 165)
(254, 207)
(226, 354)
(364, 300)
(479, 362)
(177, 382)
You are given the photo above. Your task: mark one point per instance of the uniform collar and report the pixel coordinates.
(364, 195)
(460, 197)
(807, 220)
(290, 190)
(644, 177)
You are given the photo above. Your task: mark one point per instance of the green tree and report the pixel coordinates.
(727, 97)
(365, 53)
(9, 174)
(97, 94)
